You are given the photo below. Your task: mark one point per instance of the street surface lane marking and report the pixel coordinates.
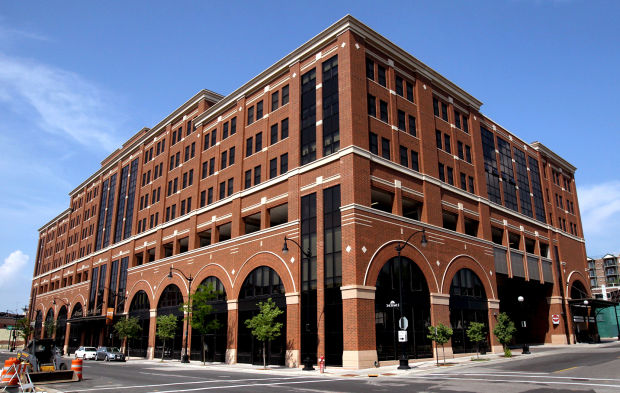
(519, 381)
(565, 369)
(174, 375)
(180, 383)
(490, 372)
(251, 385)
(528, 375)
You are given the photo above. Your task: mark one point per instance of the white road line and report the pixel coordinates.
(522, 381)
(179, 383)
(175, 375)
(250, 385)
(533, 376)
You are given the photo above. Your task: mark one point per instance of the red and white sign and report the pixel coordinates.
(555, 318)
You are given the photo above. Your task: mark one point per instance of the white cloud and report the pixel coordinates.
(600, 215)
(12, 267)
(62, 102)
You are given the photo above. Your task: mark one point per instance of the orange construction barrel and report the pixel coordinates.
(76, 366)
(9, 378)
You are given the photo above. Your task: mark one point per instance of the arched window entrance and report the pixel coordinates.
(49, 324)
(171, 302)
(215, 341)
(75, 332)
(416, 308)
(584, 326)
(262, 283)
(468, 303)
(139, 308)
(578, 291)
(61, 327)
(38, 324)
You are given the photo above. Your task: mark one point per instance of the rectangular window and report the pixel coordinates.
(414, 161)
(468, 153)
(372, 106)
(459, 149)
(213, 137)
(470, 181)
(184, 180)
(259, 110)
(383, 110)
(308, 117)
(507, 174)
(230, 187)
(444, 111)
(285, 95)
(404, 156)
(222, 190)
(457, 119)
(273, 168)
(250, 115)
(523, 182)
(463, 181)
(275, 100)
(435, 106)
(223, 160)
(231, 156)
(233, 125)
(370, 69)
(446, 140)
(331, 118)
(257, 179)
(205, 146)
(225, 131)
(410, 91)
(274, 134)
(211, 166)
(401, 120)
(284, 129)
(381, 75)
(438, 139)
(442, 174)
(182, 208)
(248, 178)
(203, 198)
(373, 143)
(284, 163)
(490, 165)
(399, 86)
(412, 126)
(385, 148)
(465, 124)
(259, 142)
(536, 189)
(332, 251)
(450, 176)
(210, 196)
(249, 146)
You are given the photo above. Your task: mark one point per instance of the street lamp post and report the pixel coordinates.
(526, 347)
(308, 254)
(185, 357)
(404, 358)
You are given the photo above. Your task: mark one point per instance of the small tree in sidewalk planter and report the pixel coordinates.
(166, 327)
(201, 318)
(24, 329)
(476, 332)
(440, 334)
(264, 326)
(126, 329)
(504, 330)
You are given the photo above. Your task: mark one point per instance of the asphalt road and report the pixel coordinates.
(575, 369)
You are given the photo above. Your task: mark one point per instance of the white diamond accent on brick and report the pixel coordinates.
(292, 259)
(261, 243)
(348, 248)
(233, 271)
(364, 249)
(438, 263)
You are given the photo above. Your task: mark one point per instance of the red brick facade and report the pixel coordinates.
(369, 235)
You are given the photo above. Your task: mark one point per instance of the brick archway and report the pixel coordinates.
(467, 262)
(264, 258)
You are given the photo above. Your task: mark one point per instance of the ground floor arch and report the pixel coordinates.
(171, 302)
(215, 341)
(260, 284)
(416, 308)
(61, 327)
(468, 303)
(48, 330)
(139, 308)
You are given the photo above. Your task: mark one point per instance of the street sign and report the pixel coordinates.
(402, 336)
(403, 323)
(555, 318)
(392, 304)
(9, 327)
(523, 324)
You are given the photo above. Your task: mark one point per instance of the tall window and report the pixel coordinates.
(523, 182)
(120, 208)
(130, 198)
(539, 207)
(332, 255)
(507, 173)
(108, 214)
(331, 127)
(308, 117)
(490, 165)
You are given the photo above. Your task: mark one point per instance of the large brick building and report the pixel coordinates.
(346, 146)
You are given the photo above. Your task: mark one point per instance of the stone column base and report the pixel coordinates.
(65, 348)
(445, 351)
(231, 355)
(558, 339)
(150, 353)
(292, 358)
(359, 359)
(497, 349)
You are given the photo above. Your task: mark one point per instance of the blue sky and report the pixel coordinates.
(78, 78)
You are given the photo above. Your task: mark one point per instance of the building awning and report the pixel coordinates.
(87, 318)
(592, 302)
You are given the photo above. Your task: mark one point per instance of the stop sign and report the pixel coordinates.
(555, 318)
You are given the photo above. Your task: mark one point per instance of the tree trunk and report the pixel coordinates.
(264, 355)
(204, 355)
(163, 350)
(437, 353)
(443, 352)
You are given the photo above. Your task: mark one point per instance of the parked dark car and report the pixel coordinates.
(109, 353)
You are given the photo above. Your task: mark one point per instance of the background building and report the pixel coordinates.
(604, 277)
(346, 146)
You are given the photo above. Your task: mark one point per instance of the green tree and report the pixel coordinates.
(264, 326)
(50, 328)
(201, 319)
(24, 329)
(476, 332)
(440, 334)
(504, 330)
(126, 329)
(166, 327)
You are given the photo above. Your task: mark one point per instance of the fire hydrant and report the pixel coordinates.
(322, 364)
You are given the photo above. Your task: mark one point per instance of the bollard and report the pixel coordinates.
(10, 378)
(322, 364)
(76, 366)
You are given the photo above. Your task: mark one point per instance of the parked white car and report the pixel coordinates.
(86, 353)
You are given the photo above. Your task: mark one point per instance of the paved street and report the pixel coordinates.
(576, 368)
